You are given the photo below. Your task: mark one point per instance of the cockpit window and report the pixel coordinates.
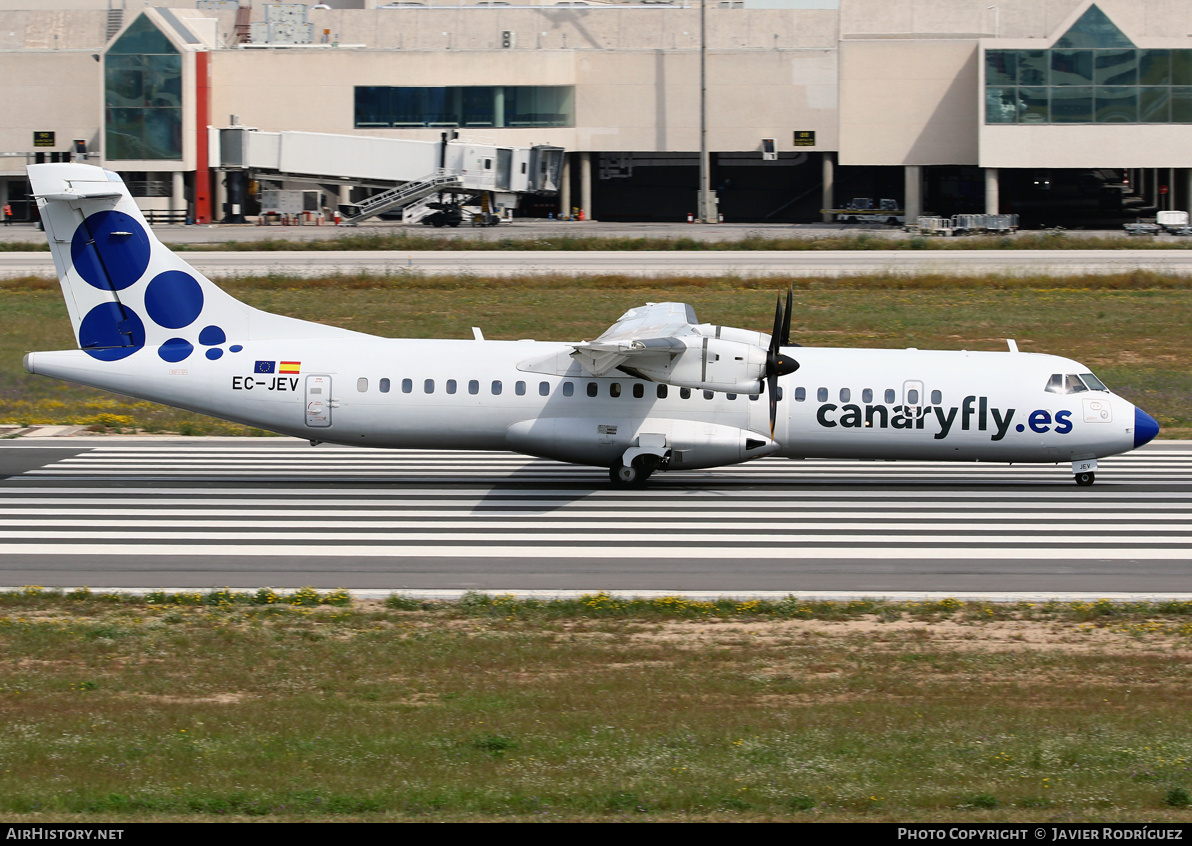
(1073, 385)
(1070, 383)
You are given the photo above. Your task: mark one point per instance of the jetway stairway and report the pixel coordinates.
(403, 195)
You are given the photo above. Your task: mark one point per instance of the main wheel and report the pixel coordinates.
(1084, 479)
(624, 477)
(636, 474)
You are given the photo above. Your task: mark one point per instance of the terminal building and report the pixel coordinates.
(1067, 112)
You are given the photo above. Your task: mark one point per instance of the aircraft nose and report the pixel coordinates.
(1145, 427)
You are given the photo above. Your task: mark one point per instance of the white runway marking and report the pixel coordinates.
(342, 503)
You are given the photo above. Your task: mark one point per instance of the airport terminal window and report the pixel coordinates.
(465, 105)
(1094, 74)
(142, 96)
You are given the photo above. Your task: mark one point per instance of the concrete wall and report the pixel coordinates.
(904, 105)
(58, 93)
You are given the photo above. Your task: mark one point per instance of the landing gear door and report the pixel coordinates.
(318, 401)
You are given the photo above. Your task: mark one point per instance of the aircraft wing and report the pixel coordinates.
(654, 331)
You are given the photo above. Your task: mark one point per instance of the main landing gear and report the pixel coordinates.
(635, 474)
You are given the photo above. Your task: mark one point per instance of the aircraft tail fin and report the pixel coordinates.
(125, 290)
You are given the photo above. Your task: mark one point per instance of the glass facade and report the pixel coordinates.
(465, 105)
(1093, 74)
(142, 96)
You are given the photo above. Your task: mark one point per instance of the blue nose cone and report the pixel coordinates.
(1145, 427)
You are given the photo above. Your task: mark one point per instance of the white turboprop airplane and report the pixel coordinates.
(657, 391)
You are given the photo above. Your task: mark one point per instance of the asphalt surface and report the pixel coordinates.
(200, 512)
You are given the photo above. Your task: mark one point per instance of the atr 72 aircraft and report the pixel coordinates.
(657, 391)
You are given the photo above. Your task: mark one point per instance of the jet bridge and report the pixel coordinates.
(461, 171)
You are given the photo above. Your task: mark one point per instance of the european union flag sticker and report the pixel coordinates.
(265, 366)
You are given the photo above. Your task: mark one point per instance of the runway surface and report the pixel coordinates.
(141, 512)
(221, 265)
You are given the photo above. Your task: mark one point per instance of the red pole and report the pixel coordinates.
(202, 119)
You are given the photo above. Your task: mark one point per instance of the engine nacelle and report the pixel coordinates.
(710, 364)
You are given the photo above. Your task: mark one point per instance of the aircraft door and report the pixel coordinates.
(318, 401)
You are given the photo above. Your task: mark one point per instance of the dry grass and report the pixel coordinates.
(491, 708)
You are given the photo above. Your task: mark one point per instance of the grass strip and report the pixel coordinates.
(224, 704)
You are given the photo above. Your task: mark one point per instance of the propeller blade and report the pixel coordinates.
(772, 383)
(786, 318)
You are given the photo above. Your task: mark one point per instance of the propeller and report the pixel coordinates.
(778, 364)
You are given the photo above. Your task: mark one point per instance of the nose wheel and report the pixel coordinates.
(1084, 479)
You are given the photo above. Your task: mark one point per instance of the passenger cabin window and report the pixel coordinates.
(685, 393)
(428, 386)
(890, 396)
(912, 396)
(614, 389)
(520, 389)
(593, 389)
(822, 395)
(845, 395)
(384, 385)
(709, 394)
(866, 395)
(544, 389)
(568, 389)
(473, 387)
(800, 394)
(407, 385)
(451, 386)
(362, 384)
(496, 387)
(639, 390)
(662, 392)
(936, 397)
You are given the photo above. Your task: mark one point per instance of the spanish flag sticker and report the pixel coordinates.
(290, 367)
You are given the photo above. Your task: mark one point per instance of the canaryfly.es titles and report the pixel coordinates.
(973, 414)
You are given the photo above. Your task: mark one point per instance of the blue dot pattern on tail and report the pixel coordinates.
(111, 252)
